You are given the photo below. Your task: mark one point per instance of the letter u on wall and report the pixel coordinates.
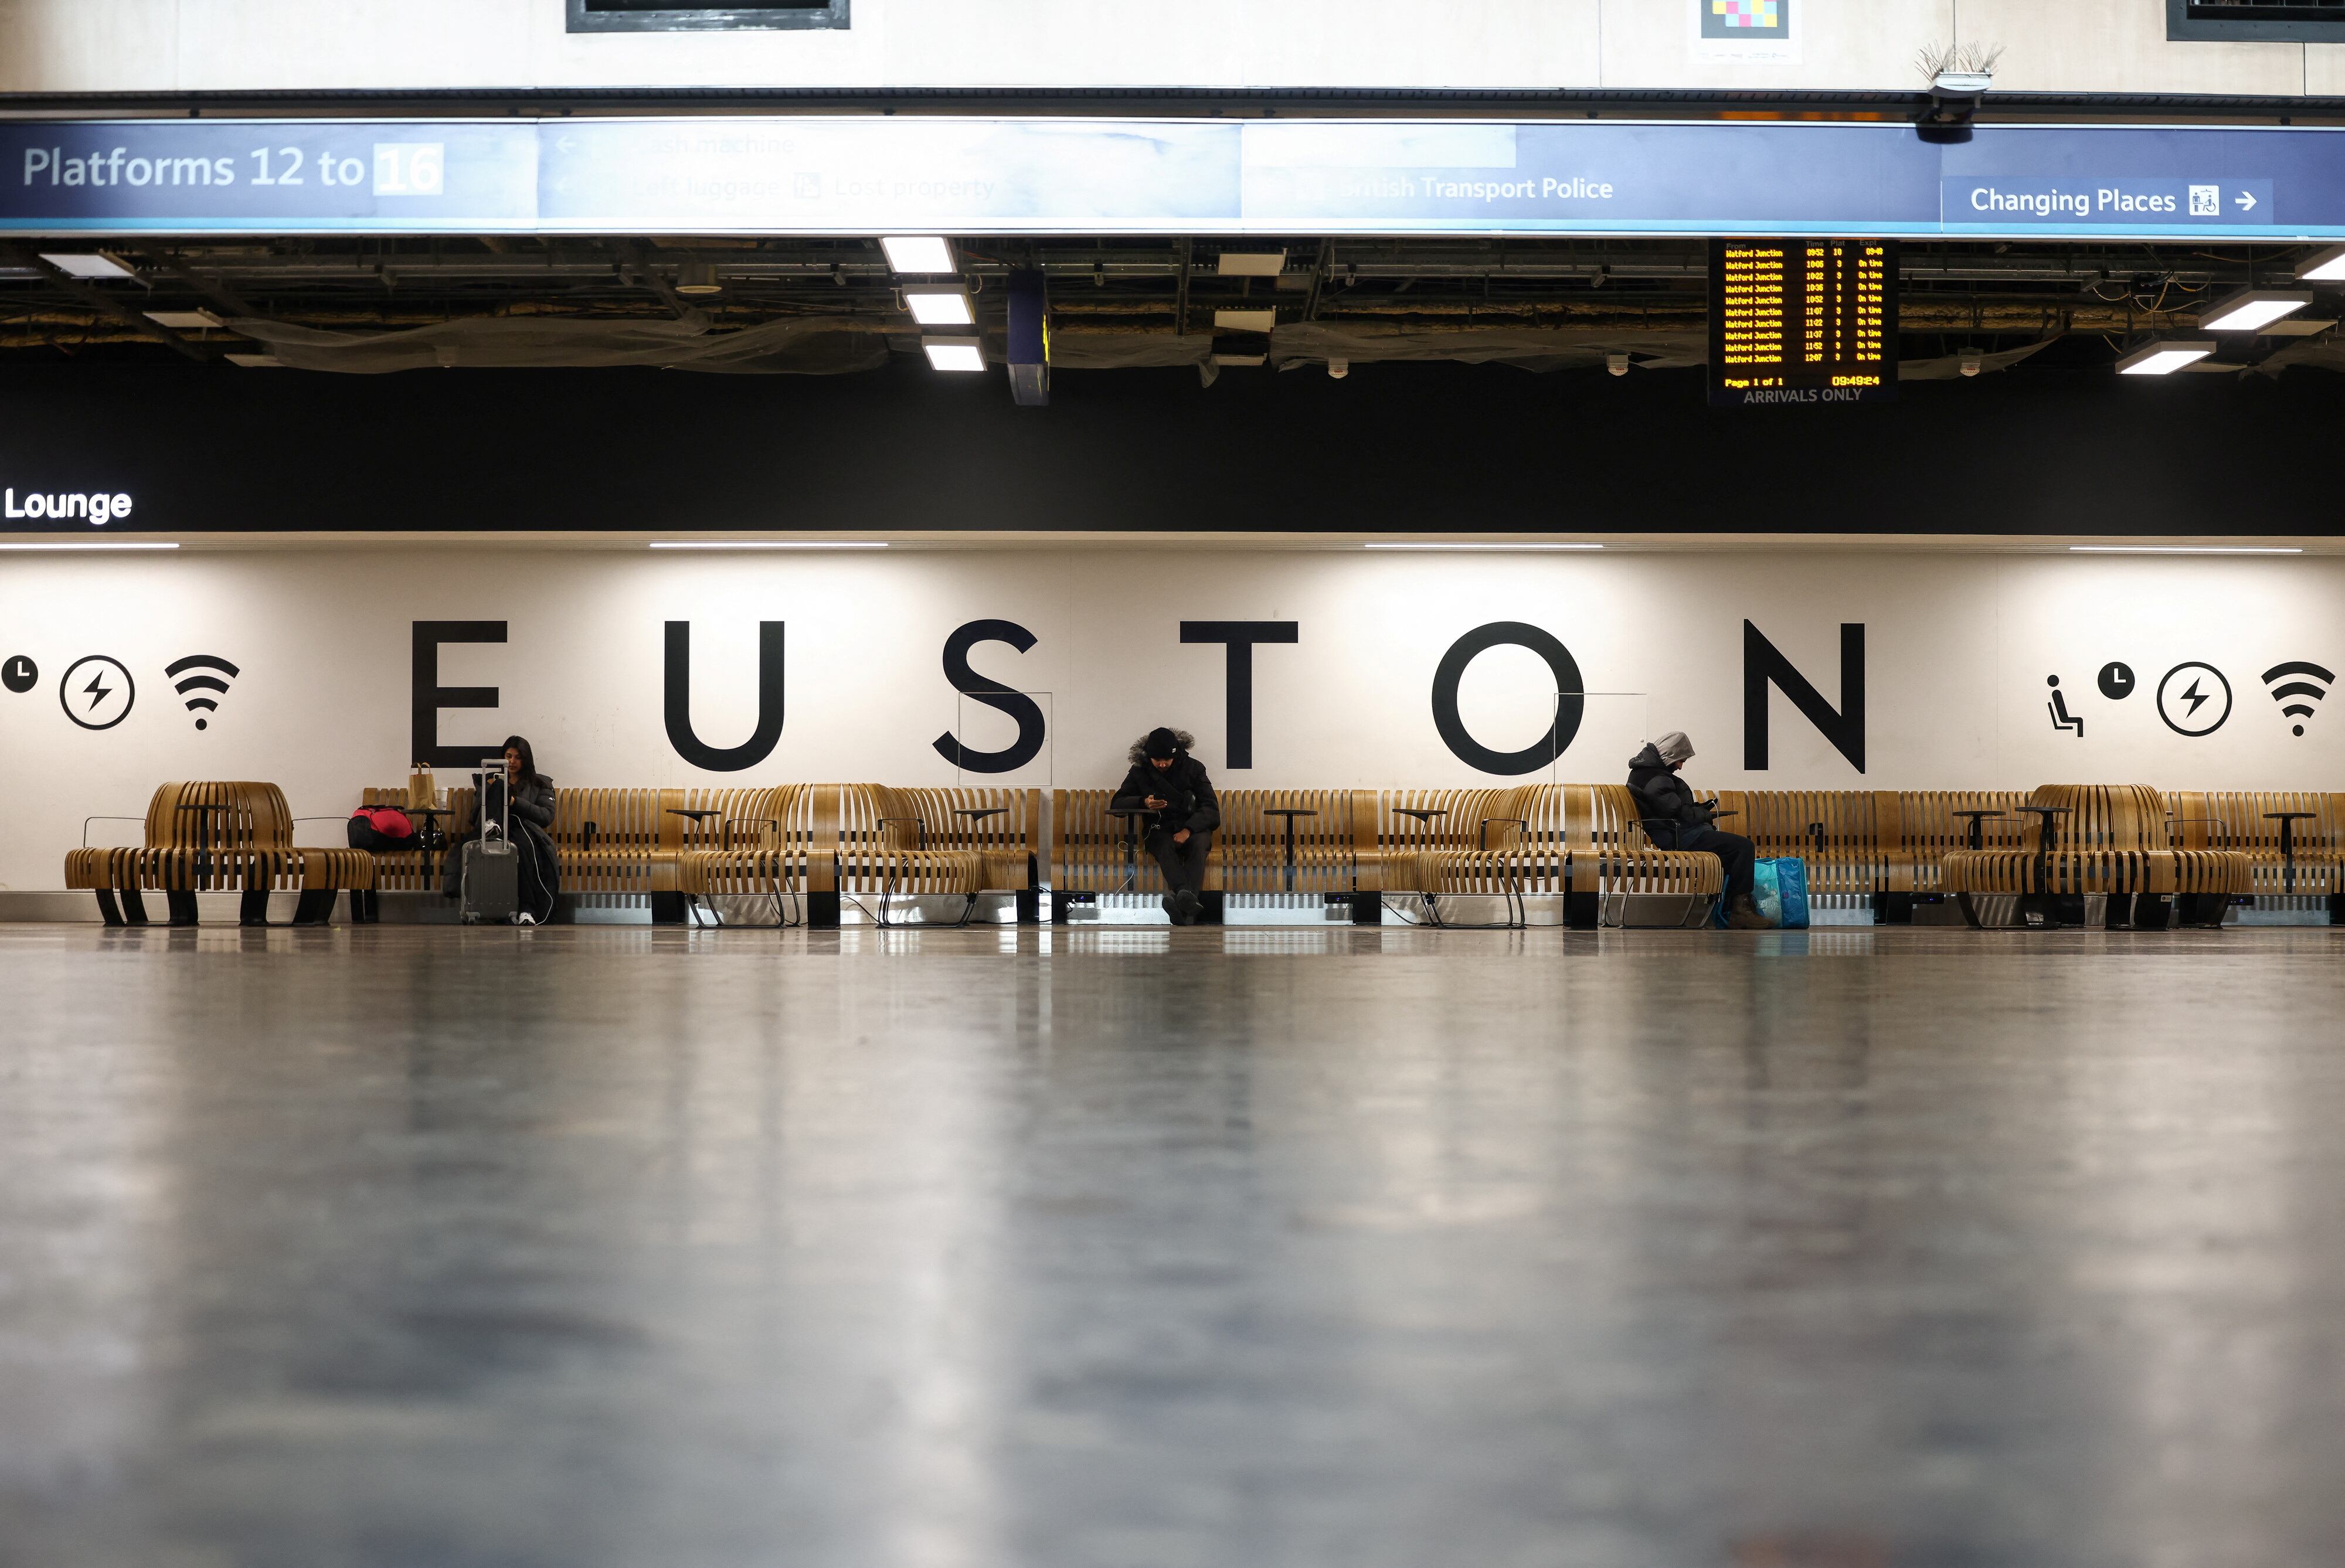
(677, 684)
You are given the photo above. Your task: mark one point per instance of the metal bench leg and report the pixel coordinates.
(1030, 906)
(182, 903)
(252, 909)
(315, 906)
(106, 908)
(133, 907)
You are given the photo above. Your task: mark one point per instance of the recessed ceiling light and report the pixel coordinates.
(2329, 267)
(1244, 320)
(256, 361)
(954, 353)
(697, 277)
(1485, 545)
(2187, 548)
(1251, 263)
(919, 254)
(768, 544)
(2252, 309)
(86, 264)
(92, 544)
(939, 305)
(184, 320)
(2164, 357)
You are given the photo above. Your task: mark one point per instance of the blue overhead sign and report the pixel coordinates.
(873, 175)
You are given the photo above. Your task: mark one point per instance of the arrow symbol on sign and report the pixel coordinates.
(2247, 201)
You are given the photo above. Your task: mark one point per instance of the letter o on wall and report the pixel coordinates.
(1568, 711)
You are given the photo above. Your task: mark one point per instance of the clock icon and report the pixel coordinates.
(20, 674)
(2117, 681)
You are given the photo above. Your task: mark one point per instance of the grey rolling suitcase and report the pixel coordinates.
(491, 876)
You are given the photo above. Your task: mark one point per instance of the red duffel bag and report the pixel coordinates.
(382, 827)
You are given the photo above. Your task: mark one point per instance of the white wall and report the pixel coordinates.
(1958, 650)
(2098, 45)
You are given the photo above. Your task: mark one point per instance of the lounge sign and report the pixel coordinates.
(97, 508)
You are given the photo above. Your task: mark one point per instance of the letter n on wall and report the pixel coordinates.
(1763, 665)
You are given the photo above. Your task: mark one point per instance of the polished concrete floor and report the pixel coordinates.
(1171, 1250)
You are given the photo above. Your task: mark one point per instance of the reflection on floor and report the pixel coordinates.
(1161, 1248)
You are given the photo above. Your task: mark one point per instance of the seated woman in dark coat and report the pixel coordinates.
(533, 821)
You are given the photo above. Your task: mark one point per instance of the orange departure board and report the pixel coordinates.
(1802, 321)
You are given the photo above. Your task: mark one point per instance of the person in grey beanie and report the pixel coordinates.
(1166, 781)
(1674, 819)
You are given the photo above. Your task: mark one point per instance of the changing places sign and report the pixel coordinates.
(2002, 202)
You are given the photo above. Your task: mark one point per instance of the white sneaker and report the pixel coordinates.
(524, 918)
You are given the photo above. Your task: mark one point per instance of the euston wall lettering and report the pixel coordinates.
(427, 697)
(678, 702)
(1571, 698)
(993, 694)
(1241, 636)
(1763, 663)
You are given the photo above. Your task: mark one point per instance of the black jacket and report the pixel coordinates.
(1661, 793)
(1187, 793)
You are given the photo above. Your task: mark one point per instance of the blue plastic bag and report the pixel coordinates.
(1779, 892)
(1783, 893)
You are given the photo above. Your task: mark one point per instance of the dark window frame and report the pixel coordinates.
(2186, 20)
(708, 18)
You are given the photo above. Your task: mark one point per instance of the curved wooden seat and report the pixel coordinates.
(1250, 847)
(1001, 826)
(217, 836)
(2114, 839)
(2313, 863)
(1834, 833)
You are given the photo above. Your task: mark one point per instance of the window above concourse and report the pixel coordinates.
(2317, 21)
(670, 16)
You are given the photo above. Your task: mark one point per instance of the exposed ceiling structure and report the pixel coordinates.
(834, 306)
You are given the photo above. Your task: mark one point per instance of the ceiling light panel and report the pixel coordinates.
(2164, 357)
(2328, 267)
(940, 306)
(1244, 320)
(1251, 263)
(958, 354)
(2253, 309)
(86, 264)
(919, 254)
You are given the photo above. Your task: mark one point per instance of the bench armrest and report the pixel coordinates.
(87, 820)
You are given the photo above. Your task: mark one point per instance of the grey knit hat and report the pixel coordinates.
(1675, 748)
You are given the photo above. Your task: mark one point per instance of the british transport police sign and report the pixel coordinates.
(871, 175)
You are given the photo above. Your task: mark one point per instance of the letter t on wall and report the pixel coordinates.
(430, 696)
(1241, 636)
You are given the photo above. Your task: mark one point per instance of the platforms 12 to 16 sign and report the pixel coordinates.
(1802, 321)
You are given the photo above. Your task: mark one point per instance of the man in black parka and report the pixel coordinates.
(1167, 781)
(1674, 819)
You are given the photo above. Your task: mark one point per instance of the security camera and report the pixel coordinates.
(1971, 358)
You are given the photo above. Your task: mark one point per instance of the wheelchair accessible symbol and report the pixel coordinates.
(2194, 699)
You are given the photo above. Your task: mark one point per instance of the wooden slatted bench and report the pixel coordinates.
(2310, 866)
(1835, 834)
(219, 836)
(1002, 827)
(2114, 841)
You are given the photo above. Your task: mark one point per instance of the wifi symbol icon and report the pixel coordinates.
(2296, 696)
(192, 686)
